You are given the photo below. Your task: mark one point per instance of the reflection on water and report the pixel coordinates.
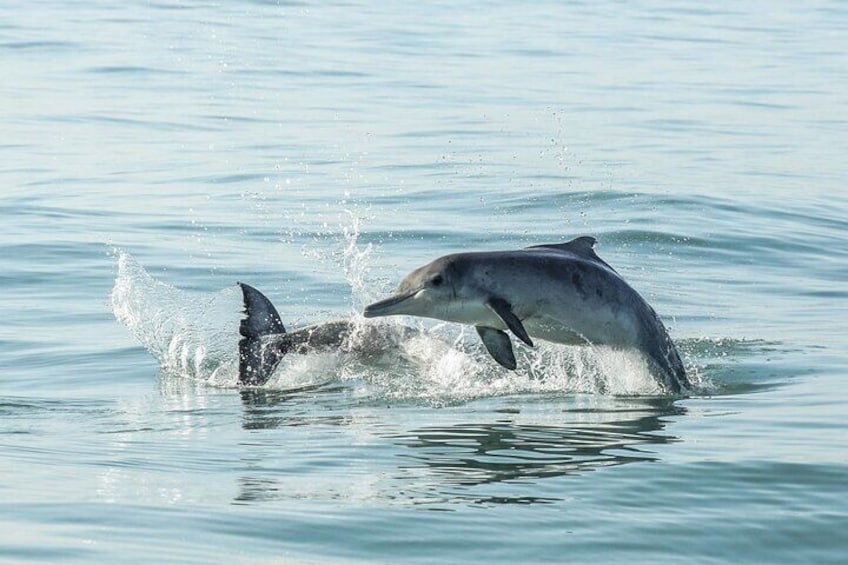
(266, 409)
(459, 459)
(475, 462)
(475, 454)
(257, 489)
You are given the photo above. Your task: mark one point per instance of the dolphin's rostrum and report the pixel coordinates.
(563, 293)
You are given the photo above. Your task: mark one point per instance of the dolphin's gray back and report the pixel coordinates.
(329, 335)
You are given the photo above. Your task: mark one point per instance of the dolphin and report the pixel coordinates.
(265, 341)
(563, 293)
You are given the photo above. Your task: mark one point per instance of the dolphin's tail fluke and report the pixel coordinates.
(256, 361)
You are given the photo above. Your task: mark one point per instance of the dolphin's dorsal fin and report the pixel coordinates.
(582, 246)
(257, 362)
(262, 318)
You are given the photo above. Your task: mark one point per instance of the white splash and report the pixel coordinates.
(191, 334)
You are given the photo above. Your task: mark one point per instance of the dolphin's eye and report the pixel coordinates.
(437, 280)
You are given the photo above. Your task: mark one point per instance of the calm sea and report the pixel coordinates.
(153, 153)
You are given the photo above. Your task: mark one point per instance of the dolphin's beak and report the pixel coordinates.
(389, 306)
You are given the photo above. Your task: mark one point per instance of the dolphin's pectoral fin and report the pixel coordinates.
(498, 345)
(504, 311)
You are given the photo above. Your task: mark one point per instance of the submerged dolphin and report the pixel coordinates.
(265, 341)
(562, 293)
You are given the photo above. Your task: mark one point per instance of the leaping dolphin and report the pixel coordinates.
(561, 292)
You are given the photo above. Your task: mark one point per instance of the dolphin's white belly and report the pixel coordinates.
(473, 313)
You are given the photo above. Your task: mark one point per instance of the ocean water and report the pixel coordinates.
(155, 153)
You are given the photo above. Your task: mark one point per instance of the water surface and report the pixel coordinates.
(319, 151)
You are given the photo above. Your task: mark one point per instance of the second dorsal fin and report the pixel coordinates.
(257, 362)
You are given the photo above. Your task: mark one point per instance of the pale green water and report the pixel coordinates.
(320, 152)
